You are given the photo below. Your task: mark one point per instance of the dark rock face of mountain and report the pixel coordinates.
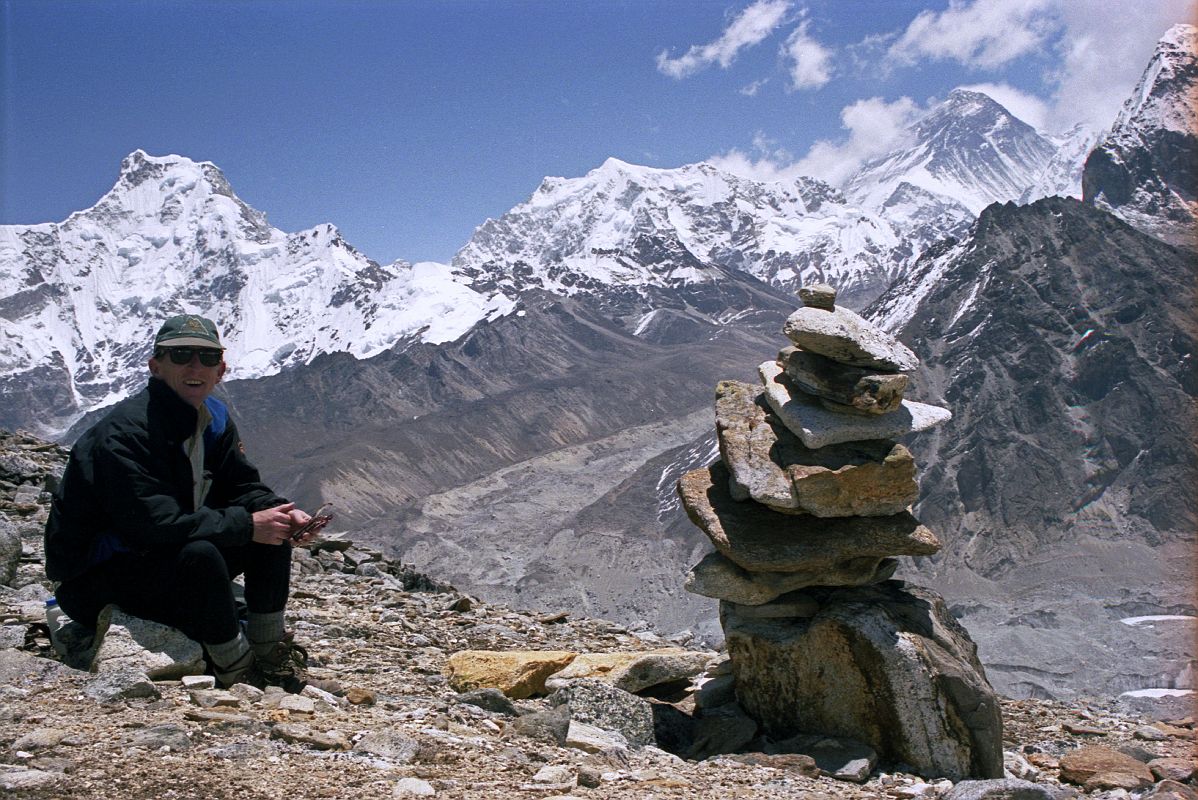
(1062, 339)
(1146, 169)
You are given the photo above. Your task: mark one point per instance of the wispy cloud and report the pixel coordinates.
(766, 162)
(1099, 55)
(751, 27)
(873, 127)
(984, 34)
(1099, 52)
(753, 88)
(808, 61)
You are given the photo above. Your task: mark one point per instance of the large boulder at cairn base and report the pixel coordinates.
(886, 665)
(770, 465)
(817, 426)
(760, 540)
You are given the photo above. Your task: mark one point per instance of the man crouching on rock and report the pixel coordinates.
(159, 508)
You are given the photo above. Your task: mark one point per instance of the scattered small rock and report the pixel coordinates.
(1000, 789)
(413, 787)
(199, 681)
(490, 699)
(391, 745)
(300, 734)
(1099, 767)
(1172, 769)
(358, 696)
(39, 739)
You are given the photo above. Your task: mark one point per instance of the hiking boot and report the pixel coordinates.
(244, 670)
(281, 665)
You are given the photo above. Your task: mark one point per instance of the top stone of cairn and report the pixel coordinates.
(839, 334)
(818, 295)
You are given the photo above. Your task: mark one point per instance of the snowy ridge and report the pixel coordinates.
(1143, 170)
(1161, 99)
(894, 309)
(610, 227)
(1062, 175)
(172, 237)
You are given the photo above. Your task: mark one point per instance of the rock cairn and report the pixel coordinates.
(807, 509)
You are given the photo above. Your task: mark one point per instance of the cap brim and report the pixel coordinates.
(189, 341)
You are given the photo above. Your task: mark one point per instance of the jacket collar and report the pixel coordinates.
(177, 418)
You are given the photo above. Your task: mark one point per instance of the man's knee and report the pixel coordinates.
(202, 559)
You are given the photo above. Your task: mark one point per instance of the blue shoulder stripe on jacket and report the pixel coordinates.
(220, 421)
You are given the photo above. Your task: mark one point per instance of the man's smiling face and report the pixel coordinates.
(193, 382)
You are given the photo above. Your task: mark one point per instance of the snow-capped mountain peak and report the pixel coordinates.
(81, 298)
(968, 150)
(602, 229)
(1143, 169)
(1163, 97)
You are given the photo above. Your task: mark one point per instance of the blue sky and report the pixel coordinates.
(407, 124)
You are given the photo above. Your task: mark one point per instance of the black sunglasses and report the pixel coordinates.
(182, 355)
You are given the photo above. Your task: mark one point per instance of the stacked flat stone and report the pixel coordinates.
(809, 500)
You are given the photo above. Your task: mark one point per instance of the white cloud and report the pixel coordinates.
(984, 34)
(1100, 48)
(1103, 53)
(753, 88)
(1027, 107)
(762, 168)
(767, 162)
(810, 63)
(749, 28)
(874, 127)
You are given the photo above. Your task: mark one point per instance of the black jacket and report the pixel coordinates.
(128, 485)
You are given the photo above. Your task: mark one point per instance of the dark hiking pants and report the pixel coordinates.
(187, 589)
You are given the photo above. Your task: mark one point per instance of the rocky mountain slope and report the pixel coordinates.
(1144, 169)
(393, 639)
(1063, 341)
(475, 460)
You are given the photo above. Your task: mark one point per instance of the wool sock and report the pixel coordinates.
(264, 628)
(227, 654)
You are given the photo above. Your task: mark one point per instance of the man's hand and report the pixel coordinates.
(306, 526)
(300, 518)
(274, 525)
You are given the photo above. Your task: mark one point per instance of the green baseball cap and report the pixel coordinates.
(187, 330)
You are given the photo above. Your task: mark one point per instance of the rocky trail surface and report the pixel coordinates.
(405, 649)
